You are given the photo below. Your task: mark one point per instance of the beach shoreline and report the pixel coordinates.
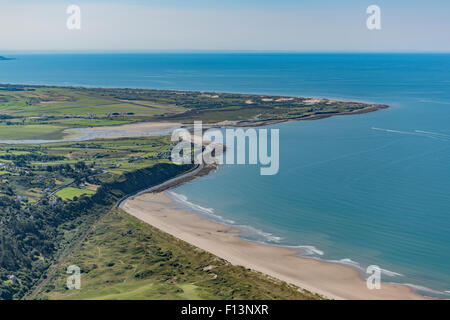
(330, 280)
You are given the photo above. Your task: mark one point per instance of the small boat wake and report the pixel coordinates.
(419, 133)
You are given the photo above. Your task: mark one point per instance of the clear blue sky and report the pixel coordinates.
(286, 25)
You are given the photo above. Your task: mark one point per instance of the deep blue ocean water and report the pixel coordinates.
(366, 189)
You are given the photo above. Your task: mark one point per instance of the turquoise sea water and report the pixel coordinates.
(366, 189)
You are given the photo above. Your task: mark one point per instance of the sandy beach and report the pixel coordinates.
(331, 280)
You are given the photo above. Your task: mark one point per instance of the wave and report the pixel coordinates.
(419, 288)
(263, 237)
(415, 287)
(350, 262)
(307, 250)
(182, 199)
(247, 231)
(251, 232)
(260, 236)
(393, 131)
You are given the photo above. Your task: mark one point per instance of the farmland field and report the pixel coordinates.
(70, 193)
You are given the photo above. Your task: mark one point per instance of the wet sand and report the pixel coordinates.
(139, 127)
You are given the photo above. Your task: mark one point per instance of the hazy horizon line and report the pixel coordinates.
(187, 51)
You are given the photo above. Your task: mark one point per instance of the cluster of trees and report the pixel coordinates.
(31, 157)
(15, 87)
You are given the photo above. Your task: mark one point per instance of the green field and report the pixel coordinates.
(13, 132)
(70, 193)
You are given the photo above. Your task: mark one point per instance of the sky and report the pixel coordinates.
(226, 25)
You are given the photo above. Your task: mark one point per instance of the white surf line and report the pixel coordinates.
(425, 289)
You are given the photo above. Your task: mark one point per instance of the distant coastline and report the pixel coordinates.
(57, 109)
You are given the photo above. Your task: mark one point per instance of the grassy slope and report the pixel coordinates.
(71, 192)
(125, 258)
(27, 131)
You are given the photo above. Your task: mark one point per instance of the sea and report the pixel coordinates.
(360, 190)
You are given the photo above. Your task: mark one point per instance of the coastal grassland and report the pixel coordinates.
(125, 258)
(33, 112)
(29, 131)
(37, 112)
(71, 192)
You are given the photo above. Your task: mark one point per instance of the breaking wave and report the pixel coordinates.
(307, 250)
(423, 289)
(182, 199)
(260, 236)
(247, 231)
